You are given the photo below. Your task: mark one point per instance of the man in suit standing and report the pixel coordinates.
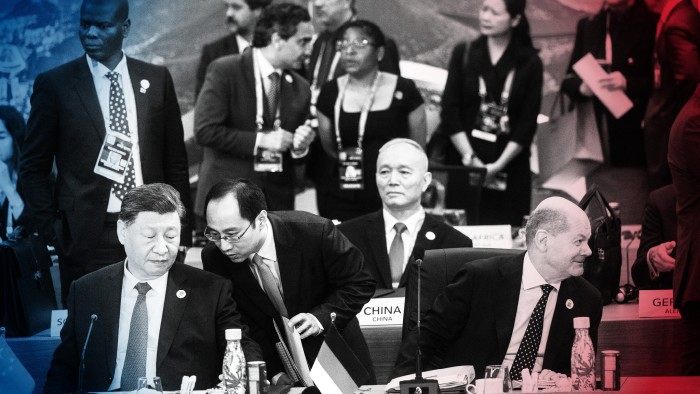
(241, 16)
(250, 116)
(628, 59)
(149, 316)
(387, 237)
(285, 264)
(676, 72)
(683, 150)
(487, 312)
(105, 106)
(655, 262)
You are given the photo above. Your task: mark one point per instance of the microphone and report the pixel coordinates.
(419, 385)
(81, 370)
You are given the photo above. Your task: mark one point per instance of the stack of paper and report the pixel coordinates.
(450, 379)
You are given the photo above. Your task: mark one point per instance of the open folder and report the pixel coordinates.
(453, 379)
(293, 357)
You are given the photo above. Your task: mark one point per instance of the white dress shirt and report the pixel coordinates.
(413, 225)
(268, 252)
(155, 301)
(242, 43)
(102, 84)
(530, 294)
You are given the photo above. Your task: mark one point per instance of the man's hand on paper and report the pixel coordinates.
(547, 374)
(660, 256)
(614, 81)
(306, 325)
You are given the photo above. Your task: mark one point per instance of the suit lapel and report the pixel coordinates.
(562, 321)
(243, 278)
(173, 309)
(111, 305)
(505, 298)
(289, 260)
(376, 238)
(142, 105)
(85, 87)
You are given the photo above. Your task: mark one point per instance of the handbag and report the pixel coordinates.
(602, 267)
(28, 295)
(569, 144)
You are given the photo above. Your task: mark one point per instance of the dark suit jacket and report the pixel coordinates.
(66, 123)
(224, 46)
(632, 56)
(367, 233)
(191, 340)
(472, 320)
(224, 123)
(658, 226)
(678, 51)
(683, 149)
(321, 272)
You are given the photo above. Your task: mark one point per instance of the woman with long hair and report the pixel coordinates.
(12, 128)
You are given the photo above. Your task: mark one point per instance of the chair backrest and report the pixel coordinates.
(463, 188)
(437, 271)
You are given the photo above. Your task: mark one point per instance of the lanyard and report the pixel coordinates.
(315, 85)
(259, 105)
(505, 95)
(343, 81)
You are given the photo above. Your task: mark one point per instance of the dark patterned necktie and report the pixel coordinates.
(118, 123)
(270, 285)
(273, 95)
(527, 352)
(135, 359)
(396, 253)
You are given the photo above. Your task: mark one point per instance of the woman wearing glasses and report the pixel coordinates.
(489, 108)
(358, 113)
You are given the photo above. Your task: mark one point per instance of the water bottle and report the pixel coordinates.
(582, 357)
(234, 368)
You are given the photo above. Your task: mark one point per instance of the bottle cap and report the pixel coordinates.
(233, 334)
(580, 322)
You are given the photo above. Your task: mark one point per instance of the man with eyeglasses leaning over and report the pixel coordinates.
(285, 263)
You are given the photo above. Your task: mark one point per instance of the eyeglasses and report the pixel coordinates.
(344, 45)
(232, 239)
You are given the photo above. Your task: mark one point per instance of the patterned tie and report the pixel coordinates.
(270, 285)
(527, 352)
(396, 257)
(119, 124)
(135, 360)
(273, 94)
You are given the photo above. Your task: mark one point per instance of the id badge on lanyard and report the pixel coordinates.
(113, 158)
(265, 160)
(351, 169)
(350, 160)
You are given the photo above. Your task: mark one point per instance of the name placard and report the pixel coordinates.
(382, 312)
(657, 303)
(58, 319)
(497, 236)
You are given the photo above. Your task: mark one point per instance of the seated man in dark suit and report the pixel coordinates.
(149, 317)
(285, 264)
(387, 237)
(655, 262)
(482, 317)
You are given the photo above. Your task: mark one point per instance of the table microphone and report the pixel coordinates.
(419, 385)
(81, 370)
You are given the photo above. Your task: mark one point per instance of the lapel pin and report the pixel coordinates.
(569, 304)
(145, 85)
(398, 95)
(182, 294)
(288, 78)
(430, 235)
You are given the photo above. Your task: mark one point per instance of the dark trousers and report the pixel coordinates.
(108, 251)
(690, 356)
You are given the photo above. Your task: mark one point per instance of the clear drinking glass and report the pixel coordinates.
(497, 379)
(148, 385)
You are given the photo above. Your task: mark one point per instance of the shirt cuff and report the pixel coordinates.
(317, 322)
(299, 154)
(653, 273)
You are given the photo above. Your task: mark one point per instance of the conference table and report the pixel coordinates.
(648, 346)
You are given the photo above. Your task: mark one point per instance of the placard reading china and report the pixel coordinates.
(382, 312)
(657, 303)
